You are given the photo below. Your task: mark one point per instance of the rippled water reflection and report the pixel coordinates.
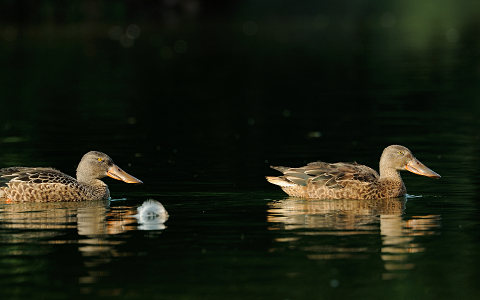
(201, 123)
(299, 220)
(29, 230)
(89, 218)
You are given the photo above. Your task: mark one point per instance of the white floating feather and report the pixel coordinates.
(151, 215)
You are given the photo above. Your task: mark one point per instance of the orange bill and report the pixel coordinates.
(116, 173)
(415, 166)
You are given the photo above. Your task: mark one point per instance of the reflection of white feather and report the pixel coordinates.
(151, 215)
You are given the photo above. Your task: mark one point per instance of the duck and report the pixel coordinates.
(31, 184)
(321, 180)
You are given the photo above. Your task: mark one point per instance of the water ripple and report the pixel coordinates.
(373, 227)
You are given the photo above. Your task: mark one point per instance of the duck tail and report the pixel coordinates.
(281, 181)
(280, 168)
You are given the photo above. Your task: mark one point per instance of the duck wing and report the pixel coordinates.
(33, 175)
(336, 175)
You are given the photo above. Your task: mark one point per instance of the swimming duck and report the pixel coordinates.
(48, 185)
(320, 180)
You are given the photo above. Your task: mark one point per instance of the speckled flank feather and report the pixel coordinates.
(320, 180)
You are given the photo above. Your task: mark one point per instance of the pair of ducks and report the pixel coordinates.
(316, 180)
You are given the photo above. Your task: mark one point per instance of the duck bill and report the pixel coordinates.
(415, 166)
(116, 173)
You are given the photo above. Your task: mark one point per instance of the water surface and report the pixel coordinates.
(199, 105)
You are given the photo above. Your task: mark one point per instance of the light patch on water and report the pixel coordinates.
(151, 215)
(409, 196)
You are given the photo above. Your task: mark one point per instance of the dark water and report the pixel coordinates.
(197, 104)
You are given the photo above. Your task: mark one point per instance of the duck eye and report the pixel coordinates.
(100, 159)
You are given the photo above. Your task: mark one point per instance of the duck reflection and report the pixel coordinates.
(88, 224)
(296, 219)
(89, 218)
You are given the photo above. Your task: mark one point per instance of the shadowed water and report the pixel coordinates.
(198, 102)
(299, 220)
(242, 243)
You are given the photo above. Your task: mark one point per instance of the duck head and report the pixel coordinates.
(397, 158)
(97, 165)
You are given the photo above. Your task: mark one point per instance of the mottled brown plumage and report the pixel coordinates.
(320, 180)
(50, 185)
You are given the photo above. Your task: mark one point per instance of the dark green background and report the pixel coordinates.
(198, 98)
